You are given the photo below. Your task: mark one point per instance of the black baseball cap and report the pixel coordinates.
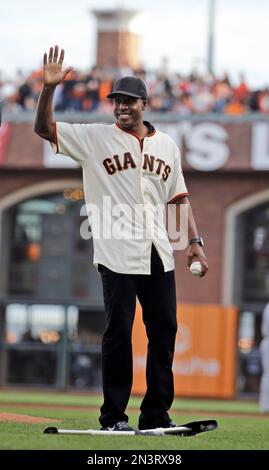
(130, 86)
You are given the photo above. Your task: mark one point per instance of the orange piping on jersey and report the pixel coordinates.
(178, 196)
(132, 133)
(56, 137)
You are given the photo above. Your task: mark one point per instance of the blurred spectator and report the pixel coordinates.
(242, 90)
(202, 100)
(235, 107)
(86, 92)
(263, 101)
(183, 104)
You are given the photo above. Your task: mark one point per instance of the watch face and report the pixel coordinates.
(198, 240)
(201, 241)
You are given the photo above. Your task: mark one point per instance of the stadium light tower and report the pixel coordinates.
(211, 33)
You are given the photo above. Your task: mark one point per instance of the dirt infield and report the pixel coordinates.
(26, 418)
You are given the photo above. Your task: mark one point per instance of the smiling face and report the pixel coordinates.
(129, 111)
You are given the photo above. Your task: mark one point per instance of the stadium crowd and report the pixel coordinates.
(176, 93)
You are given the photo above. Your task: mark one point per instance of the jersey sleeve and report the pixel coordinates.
(178, 186)
(74, 140)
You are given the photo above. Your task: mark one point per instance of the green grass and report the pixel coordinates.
(96, 400)
(50, 398)
(234, 432)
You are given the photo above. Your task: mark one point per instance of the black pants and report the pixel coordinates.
(157, 295)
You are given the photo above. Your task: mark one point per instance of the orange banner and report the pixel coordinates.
(205, 352)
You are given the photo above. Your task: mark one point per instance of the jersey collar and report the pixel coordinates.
(150, 127)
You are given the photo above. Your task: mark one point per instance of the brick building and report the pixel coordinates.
(118, 45)
(226, 166)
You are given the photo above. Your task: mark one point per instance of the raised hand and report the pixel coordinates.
(52, 67)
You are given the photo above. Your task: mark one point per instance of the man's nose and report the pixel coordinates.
(123, 105)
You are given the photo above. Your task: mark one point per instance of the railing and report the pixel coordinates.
(22, 362)
(81, 117)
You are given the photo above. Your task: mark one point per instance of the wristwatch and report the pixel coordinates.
(198, 240)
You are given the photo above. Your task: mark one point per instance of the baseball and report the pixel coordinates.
(196, 268)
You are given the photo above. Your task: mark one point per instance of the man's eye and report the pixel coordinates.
(128, 102)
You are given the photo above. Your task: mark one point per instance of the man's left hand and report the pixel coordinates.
(196, 253)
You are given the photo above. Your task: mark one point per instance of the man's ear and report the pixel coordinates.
(144, 105)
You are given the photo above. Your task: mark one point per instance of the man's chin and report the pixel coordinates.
(126, 123)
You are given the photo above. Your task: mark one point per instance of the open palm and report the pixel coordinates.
(52, 67)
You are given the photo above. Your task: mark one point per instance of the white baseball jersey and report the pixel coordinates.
(125, 180)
